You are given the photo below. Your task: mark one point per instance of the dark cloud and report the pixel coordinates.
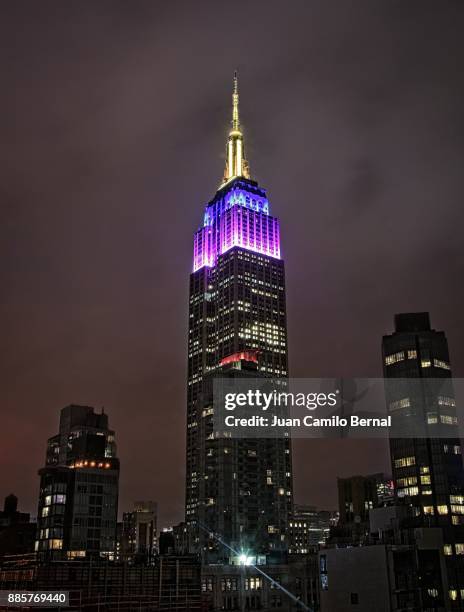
(113, 117)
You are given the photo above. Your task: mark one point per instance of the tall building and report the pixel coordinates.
(427, 468)
(139, 533)
(78, 499)
(240, 491)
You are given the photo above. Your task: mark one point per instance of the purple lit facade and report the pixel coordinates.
(238, 216)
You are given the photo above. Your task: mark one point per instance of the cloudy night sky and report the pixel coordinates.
(113, 122)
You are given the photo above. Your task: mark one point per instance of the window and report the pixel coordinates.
(408, 491)
(401, 403)
(207, 585)
(426, 363)
(447, 550)
(394, 358)
(447, 419)
(252, 584)
(405, 461)
(459, 549)
(438, 363)
(354, 598)
(412, 354)
(443, 509)
(404, 482)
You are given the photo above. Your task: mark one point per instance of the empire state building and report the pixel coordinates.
(238, 492)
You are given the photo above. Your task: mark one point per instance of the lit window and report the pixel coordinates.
(447, 550)
(401, 403)
(442, 510)
(412, 354)
(394, 358)
(459, 548)
(408, 491)
(428, 510)
(443, 400)
(405, 461)
(426, 363)
(447, 419)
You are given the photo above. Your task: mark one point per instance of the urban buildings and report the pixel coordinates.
(427, 462)
(387, 576)
(78, 497)
(249, 588)
(357, 495)
(237, 492)
(409, 553)
(309, 528)
(138, 534)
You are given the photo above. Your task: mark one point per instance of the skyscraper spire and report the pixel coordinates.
(236, 164)
(235, 117)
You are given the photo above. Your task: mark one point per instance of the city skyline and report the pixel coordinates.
(98, 221)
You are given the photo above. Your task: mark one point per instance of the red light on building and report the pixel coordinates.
(242, 356)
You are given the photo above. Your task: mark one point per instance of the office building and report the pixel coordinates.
(424, 445)
(78, 499)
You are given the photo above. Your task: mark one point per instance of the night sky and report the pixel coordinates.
(113, 124)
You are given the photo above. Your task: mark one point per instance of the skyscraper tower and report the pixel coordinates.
(237, 327)
(427, 469)
(78, 498)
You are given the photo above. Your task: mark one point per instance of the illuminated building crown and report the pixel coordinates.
(238, 215)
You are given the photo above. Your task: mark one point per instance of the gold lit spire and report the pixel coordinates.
(236, 164)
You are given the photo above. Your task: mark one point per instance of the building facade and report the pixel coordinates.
(78, 498)
(427, 468)
(309, 528)
(237, 327)
(138, 534)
